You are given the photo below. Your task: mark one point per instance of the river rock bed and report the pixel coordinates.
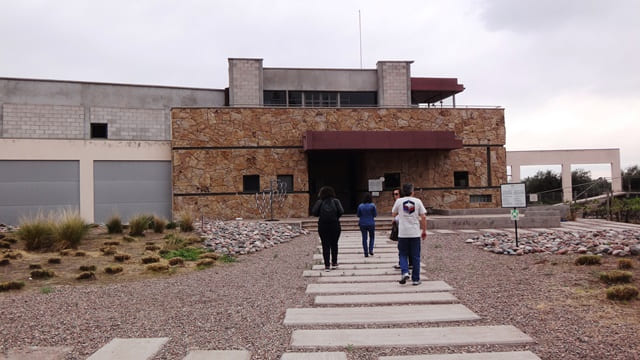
(243, 237)
(602, 242)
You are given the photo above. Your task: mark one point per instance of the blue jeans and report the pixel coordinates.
(410, 248)
(371, 230)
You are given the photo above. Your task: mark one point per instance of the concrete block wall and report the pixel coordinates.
(245, 82)
(132, 124)
(42, 121)
(394, 83)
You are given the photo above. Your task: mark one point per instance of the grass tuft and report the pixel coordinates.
(121, 257)
(71, 229)
(188, 254)
(205, 263)
(87, 268)
(226, 258)
(11, 285)
(588, 260)
(114, 225)
(113, 269)
(622, 292)
(159, 224)
(616, 277)
(185, 221)
(42, 274)
(152, 247)
(4, 262)
(35, 266)
(176, 261)
(80, 253)
(138, 224)
(54, 260)
(625, 264)
(38, 233)
(46, 290)
(158, 267)
(87, 275)
(108, 250)
(150, 259)
(111, 243)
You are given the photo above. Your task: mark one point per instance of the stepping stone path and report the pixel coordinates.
(365, 291)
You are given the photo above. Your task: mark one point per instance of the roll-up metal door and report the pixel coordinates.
(32, 187)
(127, 188)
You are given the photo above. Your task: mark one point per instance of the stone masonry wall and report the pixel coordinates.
(42, 121)
(131, 124)
(213, 148)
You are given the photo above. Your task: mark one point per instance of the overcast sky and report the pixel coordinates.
(566, 71)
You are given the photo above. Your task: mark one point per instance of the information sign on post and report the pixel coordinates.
(513, 196)
(375, 185)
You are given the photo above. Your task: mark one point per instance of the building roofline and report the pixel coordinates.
(108, 83)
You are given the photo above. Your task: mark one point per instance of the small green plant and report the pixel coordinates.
(188, 254)
(616, 276)
(138, 224)
(114, 225)
(87, 275)
(71, 229)
(588, 260)
(54, 260)
(87, 268)
(226, 258)
(42, 274)
(625, 264)
(46, 290)
(185, 221)
(150, 259)
(622, 292)
(159, 225)
(113, 269)
(11, 285)
(121, 257)
(349, 347)
(38, 233)
(158, 267)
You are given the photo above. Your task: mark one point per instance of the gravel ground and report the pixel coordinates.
(242, 306)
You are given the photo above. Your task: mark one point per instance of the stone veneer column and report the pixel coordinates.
(245, 82)
(394, 83)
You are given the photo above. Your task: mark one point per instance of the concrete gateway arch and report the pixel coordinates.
(566, 158)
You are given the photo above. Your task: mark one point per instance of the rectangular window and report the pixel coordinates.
(461, 178)
(358, 99)
(251, 183)
(320, 99)
(479, 198)
(287, 181)
(98, 131)
(391, 181)
(275, 98)
(295, 98)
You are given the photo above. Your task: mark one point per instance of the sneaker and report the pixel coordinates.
(371, 253)
(334, 266)
(416, 283)
(366, 255)
(404, 278)
(327, 269)
(396, 266)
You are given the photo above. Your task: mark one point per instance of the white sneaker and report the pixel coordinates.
(404, 278)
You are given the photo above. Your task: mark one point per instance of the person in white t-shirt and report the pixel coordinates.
(412, 228)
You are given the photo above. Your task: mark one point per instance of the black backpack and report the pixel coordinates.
(328, 211)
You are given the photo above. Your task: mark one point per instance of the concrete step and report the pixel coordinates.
(374, 299)
(129, 349)
(384, 265)
(218, 355)
(37, 352)
(436, 336)
(509, 355)
(389, 270)
(314, 356)
(397, 314)
(356, 279)
(360, 251)
(377, 288)
(360, 259)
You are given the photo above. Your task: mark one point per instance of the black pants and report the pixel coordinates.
(329, 235)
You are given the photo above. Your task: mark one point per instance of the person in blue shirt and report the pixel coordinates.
(366, 214)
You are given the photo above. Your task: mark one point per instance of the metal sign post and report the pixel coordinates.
(514, 196)
(514, 217)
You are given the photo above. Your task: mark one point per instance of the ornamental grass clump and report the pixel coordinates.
(138, 224)
(616, 277)
(174, 242)
(71, 229)
(625, 264)
(159, 224)
(38, 233)
(589, 260)
(185, 221)
(622, 292)
(114, 225)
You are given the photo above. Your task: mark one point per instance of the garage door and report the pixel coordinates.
(31, 187)
(127, 188)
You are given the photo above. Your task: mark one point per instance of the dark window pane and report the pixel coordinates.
(358, 99)
(98, 131)
(251, 183)
(295, 98)
(275, 98)
(461, 179)
(287, 181)
(320, 99)
(480, 198)
(391, 181)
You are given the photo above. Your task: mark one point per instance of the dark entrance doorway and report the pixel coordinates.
(338, 169)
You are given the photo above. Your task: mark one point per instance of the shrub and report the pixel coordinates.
(616, 276)
(205, 263)
(11, 285)
(87, 268)
(114, 225)
(622, 292)
(38, 233)
(54, 260)
(158, 267)
(87, 275)
(185, 221)
(159, 225)
(113, 269)
(121, 257)
(42, 274)
(35, 266)
(111, 243)
(150, 259)
(588, 260)
(625, 264)
(5, 262)
(188, 253)
(71, 229)
(138, 224)
(176, 261)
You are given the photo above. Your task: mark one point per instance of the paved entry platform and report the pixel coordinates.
(379, 288)
(218, 355)
(510, 355)
(129, 349)
(363, 278)
(315, 356)
(398, 314)
(402, 298)
(437, 336)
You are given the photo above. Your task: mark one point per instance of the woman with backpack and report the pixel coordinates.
(328, 209)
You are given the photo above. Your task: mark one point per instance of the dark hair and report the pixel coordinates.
(396, 189)
(407, 189)
(326, 192)
(366, 198)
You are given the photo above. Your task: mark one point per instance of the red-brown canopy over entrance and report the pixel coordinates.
(430, 90)
(381, 140)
